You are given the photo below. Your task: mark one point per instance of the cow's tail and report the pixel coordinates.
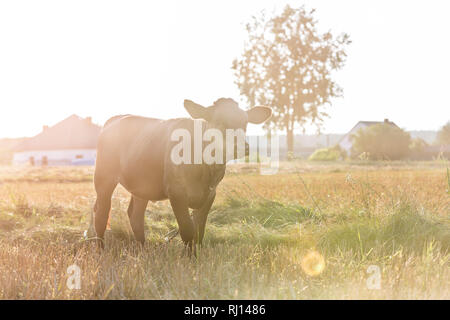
(90, 232)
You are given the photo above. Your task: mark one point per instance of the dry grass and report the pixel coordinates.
(261, 228)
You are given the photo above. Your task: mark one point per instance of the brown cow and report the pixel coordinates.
(136, 152)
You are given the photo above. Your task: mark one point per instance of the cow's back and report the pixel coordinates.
(134, 149)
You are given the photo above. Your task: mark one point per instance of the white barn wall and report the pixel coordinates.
(55, 157)
(346, 142)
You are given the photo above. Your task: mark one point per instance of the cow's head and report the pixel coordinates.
(226, 114)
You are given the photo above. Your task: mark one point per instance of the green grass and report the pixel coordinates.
(254, 244)
(405, 229)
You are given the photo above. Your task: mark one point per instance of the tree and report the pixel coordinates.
(417, 148)
(381, 142)
(418, 145)
(443, 137)
(287, 65)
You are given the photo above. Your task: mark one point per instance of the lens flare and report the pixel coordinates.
(313, 263)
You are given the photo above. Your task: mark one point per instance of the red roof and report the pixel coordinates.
(73, 132)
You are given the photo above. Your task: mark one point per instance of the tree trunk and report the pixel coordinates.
(290, 142)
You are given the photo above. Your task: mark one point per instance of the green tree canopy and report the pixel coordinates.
(443, 136)
(287, 64)
(381, 142)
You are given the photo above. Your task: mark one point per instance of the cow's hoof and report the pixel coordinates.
(100, 243)
(191, 251)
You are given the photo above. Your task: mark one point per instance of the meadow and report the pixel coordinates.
(313, 231)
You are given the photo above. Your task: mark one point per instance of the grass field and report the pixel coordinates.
(313, 231)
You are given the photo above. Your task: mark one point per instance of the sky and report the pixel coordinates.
(103, 58)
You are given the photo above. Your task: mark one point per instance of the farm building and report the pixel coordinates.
(346, 142)
(73, 141)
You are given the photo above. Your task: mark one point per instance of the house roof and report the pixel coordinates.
(366, 124)
(371, 123)
(73, 132)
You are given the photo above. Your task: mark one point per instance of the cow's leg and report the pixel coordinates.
(103, 206)
(106, 178)
(200, 216)
(180, 208)
(136, 213)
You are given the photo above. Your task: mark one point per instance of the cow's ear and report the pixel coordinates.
(259, 114)
(195, 110)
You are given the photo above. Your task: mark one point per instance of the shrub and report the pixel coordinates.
(325, 154)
